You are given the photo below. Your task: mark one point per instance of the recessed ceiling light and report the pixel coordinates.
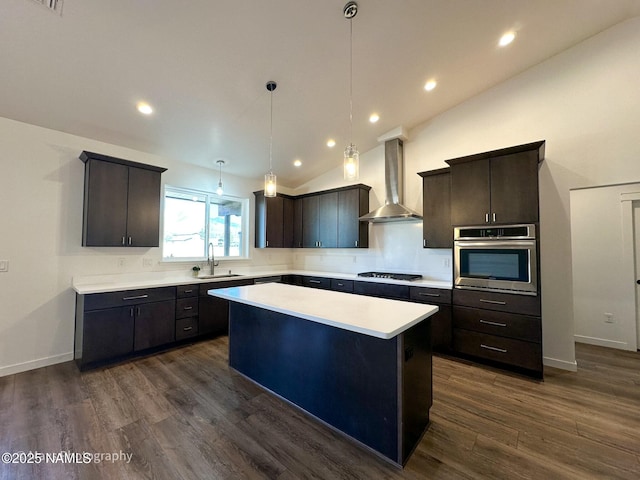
(297, 163)
(374, 117)
(430, 85)
(331, 143)
(144, 108)
(507, 38)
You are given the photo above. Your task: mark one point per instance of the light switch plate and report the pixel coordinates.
(4, 265)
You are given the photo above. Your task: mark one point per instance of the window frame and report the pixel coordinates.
(209, 196)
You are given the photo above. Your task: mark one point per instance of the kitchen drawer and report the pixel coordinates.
(498, 323)
(503, 302)
(382, 290)
(183, 291)
(316, 282)
(97, 301)
(342, 285)
(186, 327)
(430, 295)
(186, 307)
(499, 349)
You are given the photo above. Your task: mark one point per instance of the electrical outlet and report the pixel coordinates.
(446, 263)
(608, 317)
(4, 265)
(122, 262)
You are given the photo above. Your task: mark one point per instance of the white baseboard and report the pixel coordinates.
(561, 364)
(33, 364)
(602, 342)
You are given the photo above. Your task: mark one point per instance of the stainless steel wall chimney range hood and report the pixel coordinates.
(393, 210)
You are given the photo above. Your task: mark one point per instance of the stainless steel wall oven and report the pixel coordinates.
(498, 258)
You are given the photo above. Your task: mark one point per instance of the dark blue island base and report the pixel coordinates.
(373, 390)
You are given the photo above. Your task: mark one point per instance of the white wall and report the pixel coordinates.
(600, 260)
(586, 104)
(41, 195)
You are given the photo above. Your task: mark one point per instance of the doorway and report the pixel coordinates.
(636, 254)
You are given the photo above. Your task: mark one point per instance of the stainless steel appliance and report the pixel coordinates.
(391, 276)
(498, 258)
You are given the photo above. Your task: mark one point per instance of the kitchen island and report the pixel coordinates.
(361, 365)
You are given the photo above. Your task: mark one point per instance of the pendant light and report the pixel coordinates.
(219, 190)
(351, 155)
(270, 178)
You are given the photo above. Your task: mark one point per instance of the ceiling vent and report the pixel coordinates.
(54, 6)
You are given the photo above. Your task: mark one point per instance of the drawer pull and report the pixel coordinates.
(495, 324)
(495, 349)
(186, 329)
(314, 281)
(188, 291)
(494, 302)
(341, 284)
(136, 297)
(190, 308)
(429, 294)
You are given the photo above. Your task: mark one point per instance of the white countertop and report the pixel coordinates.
(113, 283)
(377, 317)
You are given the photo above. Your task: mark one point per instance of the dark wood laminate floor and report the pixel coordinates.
(184, 415)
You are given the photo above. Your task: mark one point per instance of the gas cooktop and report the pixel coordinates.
(391, 276)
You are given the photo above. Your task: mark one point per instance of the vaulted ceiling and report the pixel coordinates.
(203, 66)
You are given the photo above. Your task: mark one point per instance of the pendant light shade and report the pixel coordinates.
(351, 163)
(270, 178)
(220, 190)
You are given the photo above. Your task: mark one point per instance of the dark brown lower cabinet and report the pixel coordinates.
(441, 327)
(107, 334)
(154, 324)
(213, 318)
(113, 325)
(507, 329)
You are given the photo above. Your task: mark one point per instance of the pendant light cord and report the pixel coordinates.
(351, 81)
(271, 137)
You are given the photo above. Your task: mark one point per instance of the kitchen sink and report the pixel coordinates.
(223, 275)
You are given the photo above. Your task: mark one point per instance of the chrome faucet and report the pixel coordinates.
(211, 259)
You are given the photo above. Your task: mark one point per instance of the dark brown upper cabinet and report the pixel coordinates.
(326, 219)
(436, 209)
(121, 202)
(274, 221)
(496, 187)
(352, 204)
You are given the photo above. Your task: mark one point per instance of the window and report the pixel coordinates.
(193, 220)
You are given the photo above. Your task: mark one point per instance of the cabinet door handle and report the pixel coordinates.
(314, 281)
(267, 243)
(424, 294)
(486, 217)
(131, 312)
(129, 240)
(188, 308)
(186, 329)
(493, 217)
(494, 302)
(495, 324)
(424, 243)
(123, 240)
(495, 349)
(356, 243)
(138, 311)
(136, 297)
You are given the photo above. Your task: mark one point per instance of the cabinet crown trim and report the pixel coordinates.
(86, 156)
(321, 192)
(539, 146)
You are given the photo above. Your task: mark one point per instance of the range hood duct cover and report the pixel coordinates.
(392, 210)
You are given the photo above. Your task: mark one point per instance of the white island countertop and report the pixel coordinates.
(377, 317)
